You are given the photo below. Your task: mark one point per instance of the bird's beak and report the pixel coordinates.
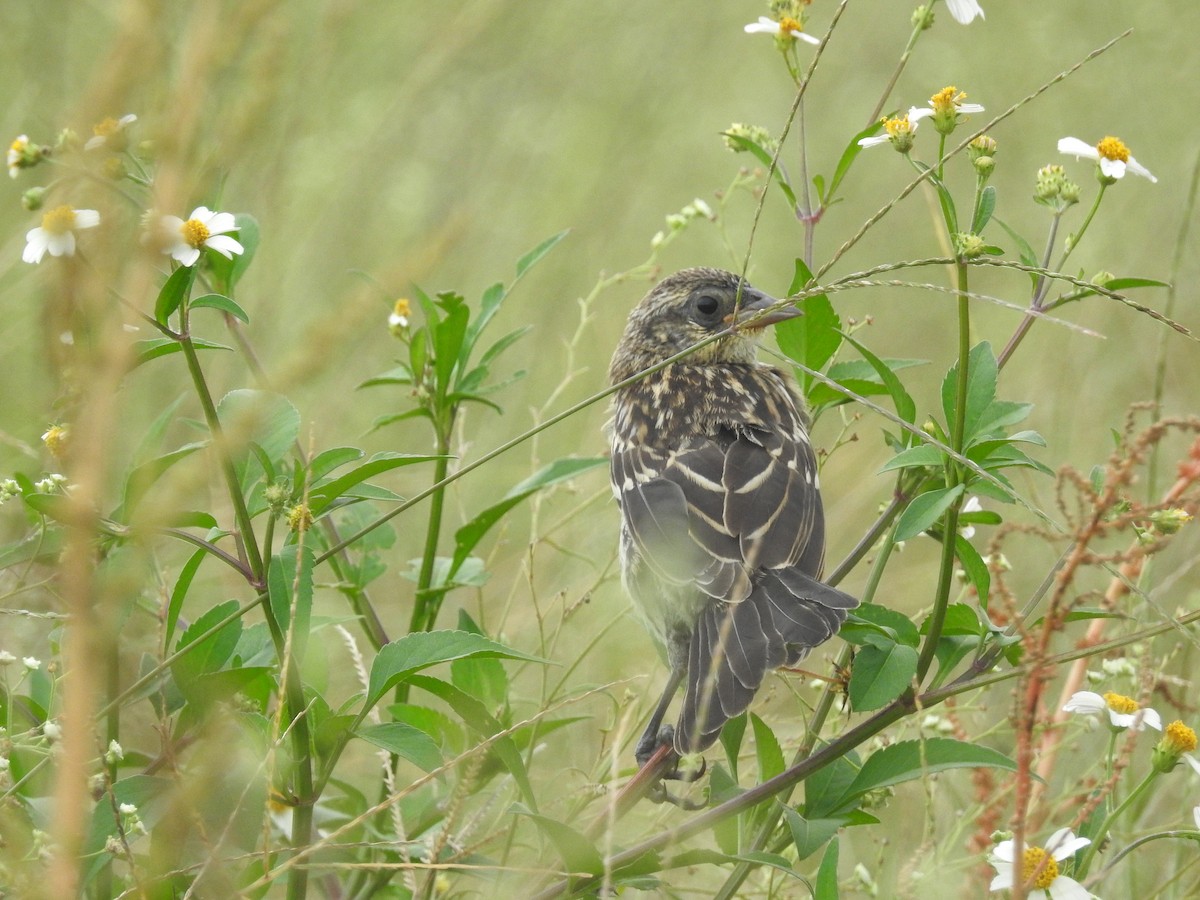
(751, 313)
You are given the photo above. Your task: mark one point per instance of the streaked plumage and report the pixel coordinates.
(722, 538)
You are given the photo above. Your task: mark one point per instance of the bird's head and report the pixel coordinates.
(687, 307)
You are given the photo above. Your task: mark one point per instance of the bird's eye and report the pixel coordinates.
(707, 307)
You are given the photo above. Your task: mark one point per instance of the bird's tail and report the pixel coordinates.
(734, 645)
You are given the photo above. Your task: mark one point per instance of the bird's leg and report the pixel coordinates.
(656, 734)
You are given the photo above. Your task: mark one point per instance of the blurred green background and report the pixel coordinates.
(391, 143)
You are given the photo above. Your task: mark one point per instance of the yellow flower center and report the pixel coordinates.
(787, 25)
(1038, 868)
(59, 220)
(947, 100)
(1113, 148)
(1178, 738)
(107, 128)
(19, 145)
(897, 126)
(195, 233)
(402, 308)
(1121, 704)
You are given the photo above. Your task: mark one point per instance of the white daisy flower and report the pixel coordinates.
(1039, 868)
(965, 11)
(1123, 712)
(18, 155)
(183, 241)
(1111, 153)
(109, 129)
(56, 234)
(787, 26)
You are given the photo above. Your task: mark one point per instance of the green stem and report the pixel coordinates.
(1073, 240)
(425, 606)
(1090, 852)
(954, 478)
(240, 511)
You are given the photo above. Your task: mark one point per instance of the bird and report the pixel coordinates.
(722, 535)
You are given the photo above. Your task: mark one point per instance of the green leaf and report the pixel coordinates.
(824, 789)
(577, 852)
(924, 511)
(1120, 284)
(906, 409)
(473, 713)
(469, 535)
(220, 302)
(448, 342)
(321, 495)
(404, 741)
(975, 567)
(944, 197)
(290, 588)
(174, 291)
(908, 760)
(880, 675)
(262, 418)
(182, 584)
(144, 351)
(891, 623)
(1028, 257)
(921, 455)
(982, 372)
(826, 887)
(987, 205)
(328, 460)
(483, 679)
(848, 156)
(402, 374)
(534, 256)
(859, 376)
(396, 661)
(143, 476)
(813, 338)
(767, 750)
(228, 272)
(1000, 414)
(207, 654)
(732, 734)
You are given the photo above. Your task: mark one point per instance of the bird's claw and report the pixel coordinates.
(660, 794)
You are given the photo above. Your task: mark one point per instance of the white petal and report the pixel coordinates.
(917, 113)
(1196, 816)
(1064, 888)
(1113, 168)
(61, 244)
(969, 108)
(762, 26)
(972, 505)
(1138, 169)
(1086, 702)
(804, 36)
(171, 224)
(1003, 881)
(1150, 718)
(874, 141)
(93, 142)
(1077, 148)
(127, 120)
(964, 11)
(1063, 843)
(201, 214)
(224, 245)
(1003, 852)
(86, 218)
(1191, 761)
(185, 254)
(221, 223)
(35, 248)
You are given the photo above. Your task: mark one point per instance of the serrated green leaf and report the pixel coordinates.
(766, 749)
(975, 567)
(906, 409)
(396, 661)
(893, 623)
(924, 511)
(173, 292)
(856, 375)
(880, 675)
(813, 338)
(982, 372)
(405, 741)
(328, 460)
(483, 679)
(921, 455)
(206, 654)
(219, 302)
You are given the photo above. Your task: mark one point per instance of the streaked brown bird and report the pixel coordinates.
(723, 533)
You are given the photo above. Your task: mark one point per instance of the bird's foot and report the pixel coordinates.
(660, 794)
